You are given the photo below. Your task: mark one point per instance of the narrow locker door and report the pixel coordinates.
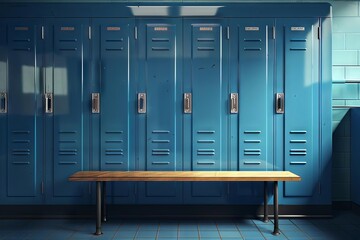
(208, 88)
(71, 100)
(24, 127)
(117, 96)
(3, 110)
(255, 94)
(301, 103)
(161, 69)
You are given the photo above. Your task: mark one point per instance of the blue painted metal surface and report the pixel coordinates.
(160, 78)
(176, 50)
(114, 66)
(206, 56)
(69, 49)
(355, 156)
(24, 132)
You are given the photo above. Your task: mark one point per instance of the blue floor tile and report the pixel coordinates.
(166, 233)
(188, 234)
(230, 234)
(209, 234)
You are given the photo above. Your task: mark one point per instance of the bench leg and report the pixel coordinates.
(266, 217)
(103, 202)
(98, 208)
(276, 210)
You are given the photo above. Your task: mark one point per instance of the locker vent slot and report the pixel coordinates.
(298, 132)
(297, 40)
(205, 162)
(205, 132)
(21, 40)
(160, 163)
(21, 141)
(160, 131)
(21, 163)
(161, 152)
(297, 163)
(114, 132)
(67, 163)
(71, 152)
(114, 141)
(252, 162)
(252, 49)
(21, 132)
(115, 40)
(67, 132)
(206, 40)
(68, 49)
(114, 163)
(206, 152)
(68, 40)
(252, 40)
(21, 152)
(160, 49)
(160, 141)
(298, 152)
(297, 141)
(206, 141)
(252, 152)
(252, 132)
(116, 152)
(114, 49)
(160, 39)
(67, 141)
(21, 49)
(252, 141)
(206, 49)
(297, 49)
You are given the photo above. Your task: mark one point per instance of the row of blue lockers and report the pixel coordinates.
(164, 94)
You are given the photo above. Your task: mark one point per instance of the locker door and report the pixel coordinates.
(206, 53)
(114, 59)
(255, 54)
(68, 45)
(301, 63)
(3, 110)
(24, 123)
(159, 46)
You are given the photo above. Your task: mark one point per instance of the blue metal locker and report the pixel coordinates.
(205, 59)
(24, 111)
(114, 58)
(67, 107)
(300, 56)
(159, 106)
(252, 47)
(3, 110)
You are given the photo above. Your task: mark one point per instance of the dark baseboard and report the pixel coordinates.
(356, 208)
(162, 211)
(342, 205)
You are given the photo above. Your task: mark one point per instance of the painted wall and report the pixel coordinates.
(346, 70)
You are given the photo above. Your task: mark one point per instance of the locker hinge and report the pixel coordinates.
(136, 33)
(228, 32)
(319, 33)
(42, 187)
(89, 32)
(273, 32)
(42, 32)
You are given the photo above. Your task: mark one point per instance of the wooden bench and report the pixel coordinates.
(101, 177)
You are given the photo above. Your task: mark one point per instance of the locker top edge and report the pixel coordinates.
(164, 9)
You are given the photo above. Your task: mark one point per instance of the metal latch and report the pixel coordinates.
(280, 103)
(141, 102)
(187, 103)
(234, 103)
(95, 102)
(48, 103)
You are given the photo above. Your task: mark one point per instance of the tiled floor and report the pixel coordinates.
(345, 225)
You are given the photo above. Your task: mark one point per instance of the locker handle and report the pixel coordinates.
(95, 100)
(234, 106)
(141, 102)
(3, 103)
(280, 103)
(48, 103)
(187, 102)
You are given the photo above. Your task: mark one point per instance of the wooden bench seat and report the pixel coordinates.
(101, 177)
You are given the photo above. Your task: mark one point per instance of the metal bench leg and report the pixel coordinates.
(276, 210)
(266, 217)
(98, 208)
(103, 202)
